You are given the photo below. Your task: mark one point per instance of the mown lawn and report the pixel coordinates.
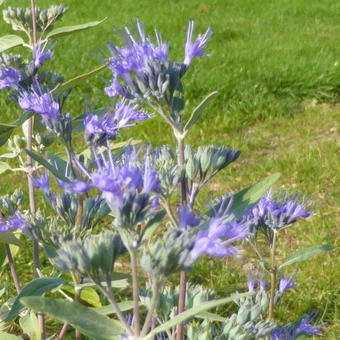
(277, 69)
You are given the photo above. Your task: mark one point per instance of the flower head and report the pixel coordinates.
(40, 103)
(295, 330)
(135, 55)
(306, 328)
(276, 212)
(39, 55)
(141, 68)
(195, 49)
(255, 281)
(9, 77)
(108, 126)
(13, 222)
(76, 186)
(285, 284)
(215, 239)
(42, 182)
(187, 218)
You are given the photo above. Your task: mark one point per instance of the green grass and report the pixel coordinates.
(276, 67)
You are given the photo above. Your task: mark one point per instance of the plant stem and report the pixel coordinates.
(12, 268)
(80, 204)
(41, 320)
(272, 278)
(63, 331)
(166, 206)
(152, 307)
(108, 293)
(183, 201)
(77, 292)
(135, 288)
(80, 210)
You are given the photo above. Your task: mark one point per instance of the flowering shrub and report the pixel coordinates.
(135, 203)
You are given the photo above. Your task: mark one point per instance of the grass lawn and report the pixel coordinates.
(277, 69)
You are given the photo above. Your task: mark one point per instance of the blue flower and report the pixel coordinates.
(215, 239)
(255, 281)
(141, 67)
(76, 186)
(276, 213)
(133, 57)
(306, 328)
(40, 103)
(39, 56)
(116, 89)
(13, 222)
(187, 218)
(109, 125)
(9, 77)
(195, 49)
(286, 283)
(42, 182)
(295, 330)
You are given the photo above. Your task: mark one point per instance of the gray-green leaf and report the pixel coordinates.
(305, 254)
(58, 32)
(9, 238)
(56, 172)
(193, 312)
(247, 198)
(29, 324)
(7, 129)
(85, 319)
(74, 81)
(10, 41)
(4, 167)
(107, 310)
(36, 287)
(196, 114)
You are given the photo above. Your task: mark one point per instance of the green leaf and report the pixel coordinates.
(178, 100)
(88, 296)
(74, 81)
(56, 172)
(61, 31)
(4, 167)
(50, 251)
(6, 336)
(2, 257)
(58, 162)
(30, 326)
(7, 129)
(10, 41)
(9, 238)
(119, 280)
(196, 114)
(107, 310)
(193, 312)
(305, 254)
(36, 287)
(210, 316)
(247, 198)
(85, 319)
(8, 155)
